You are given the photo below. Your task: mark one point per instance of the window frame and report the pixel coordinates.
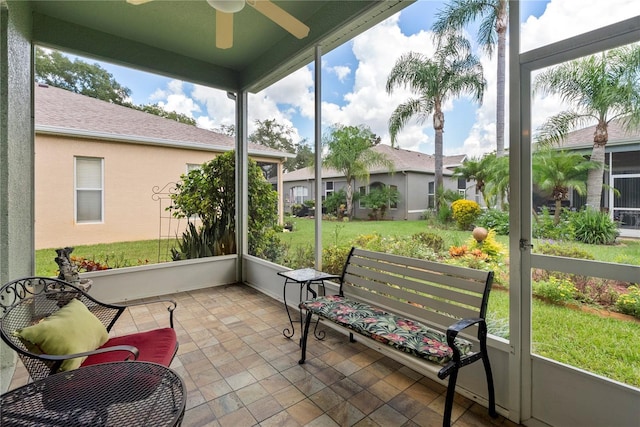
(77, 189)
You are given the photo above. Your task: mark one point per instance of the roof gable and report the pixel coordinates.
(403, 161)
(63, 112)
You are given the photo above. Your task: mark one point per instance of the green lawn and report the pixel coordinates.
(116, 255)
(604, 345)
(626, 251)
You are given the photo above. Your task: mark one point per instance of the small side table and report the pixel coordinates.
(304, 277)
(135, 394)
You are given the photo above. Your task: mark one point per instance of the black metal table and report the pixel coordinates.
(305, 277)
(108, 394)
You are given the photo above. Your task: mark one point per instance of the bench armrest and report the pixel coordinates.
(462, 324)
(453, 330)
(169, 303)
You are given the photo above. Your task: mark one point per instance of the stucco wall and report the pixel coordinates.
(130, 173)
(16, 154)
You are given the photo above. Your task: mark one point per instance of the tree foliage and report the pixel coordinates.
(379, 199)
(450, 73)
(278, 136)
(210, 193)
(55, 69)
(557, 172)
(349, 151)
(599, 88)
(157, 110)
(492, 34)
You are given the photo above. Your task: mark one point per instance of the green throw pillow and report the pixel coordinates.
(72, 329)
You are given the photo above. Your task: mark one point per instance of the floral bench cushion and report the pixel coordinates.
(404, 334)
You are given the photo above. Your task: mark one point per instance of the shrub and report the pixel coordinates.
(494, 219)
(430, 240)
(335, 203)
(594, 227)
(295, 209)
(629, 303)
(334, 258)
(195, 243)
(444, 214)
(372, 242)
(555, 290)
(210, 193)
(303, 256)
(544, 226)
(489, 246)
(563, 250)
(465, 212)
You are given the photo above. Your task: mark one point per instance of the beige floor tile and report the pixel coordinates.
(239, 370)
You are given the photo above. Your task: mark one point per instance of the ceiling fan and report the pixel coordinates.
(224, 18)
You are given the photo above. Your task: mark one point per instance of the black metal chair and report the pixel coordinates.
(24, 302)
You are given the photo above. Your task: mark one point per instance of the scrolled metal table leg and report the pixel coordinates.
(288, 333)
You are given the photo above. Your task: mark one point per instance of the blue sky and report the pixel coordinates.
(354, 75)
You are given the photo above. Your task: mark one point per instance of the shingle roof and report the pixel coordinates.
(403, 161)
(63, 112)
(584, 137)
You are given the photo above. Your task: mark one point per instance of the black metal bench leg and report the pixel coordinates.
(448, 404)
(351, 339)
(492, 396)
(305, 334)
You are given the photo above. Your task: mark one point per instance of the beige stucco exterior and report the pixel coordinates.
(130, 172)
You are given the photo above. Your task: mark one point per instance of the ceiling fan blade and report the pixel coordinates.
(137, 2)
(224, 30)
(280, 17)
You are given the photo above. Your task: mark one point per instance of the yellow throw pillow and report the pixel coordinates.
(72, 329)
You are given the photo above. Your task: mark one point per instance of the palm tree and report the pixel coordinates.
(471, 169)
(451, 72)
(492, 33)
(496, 169)
(350, 152)
(600, 88)
(559, 171)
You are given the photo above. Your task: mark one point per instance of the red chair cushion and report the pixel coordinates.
(158, 345)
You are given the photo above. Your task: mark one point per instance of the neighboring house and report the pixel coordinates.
(413, 177)
(621, 194)
(98, 165)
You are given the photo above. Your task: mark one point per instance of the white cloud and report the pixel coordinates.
(219, 109)
(567, 18)
(342, 71)
(173, 98)
(368, 102)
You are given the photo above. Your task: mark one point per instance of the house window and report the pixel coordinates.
(431, 195)
(193, 167)
(363, 192)
(89, 189)
(328, 188)
(393, 204)
(299, 194)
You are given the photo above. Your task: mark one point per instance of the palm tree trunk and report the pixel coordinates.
(501, 29)
(595, 177)
(349, 196)
(438, 126)
(556, 214)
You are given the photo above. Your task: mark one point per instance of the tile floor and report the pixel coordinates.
(240, 370)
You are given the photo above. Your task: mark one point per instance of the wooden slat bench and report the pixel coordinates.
(412, 309)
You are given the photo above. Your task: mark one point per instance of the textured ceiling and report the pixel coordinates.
(177, 38)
